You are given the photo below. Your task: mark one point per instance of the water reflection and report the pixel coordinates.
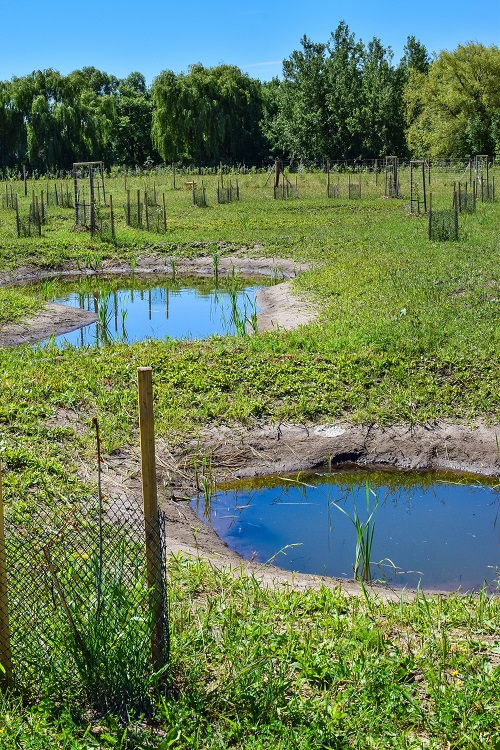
(431, 529)
(128, 313)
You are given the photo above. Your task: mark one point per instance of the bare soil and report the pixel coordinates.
(246, 261)
(52, 319)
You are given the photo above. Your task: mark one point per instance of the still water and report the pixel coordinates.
(436, 530)
(185, 309)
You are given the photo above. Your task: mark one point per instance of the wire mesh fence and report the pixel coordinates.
(354, 190)
(465, 200)
(227, 193)
(30, 224)
(443, 224)
(85, 608)
(286, 190)
(59, 195)
(333, 191)
(9, 198)
(145, 212)
(199, 196)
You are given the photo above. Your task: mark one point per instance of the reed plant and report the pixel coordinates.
(364, 534)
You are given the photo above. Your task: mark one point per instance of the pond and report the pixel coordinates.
(436, 530)
(130, 310)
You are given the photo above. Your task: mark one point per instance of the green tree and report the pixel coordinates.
(131, 139)
(454, 109)
(13, 137)
(381, 112)
(299, 127)
(340, 100)
(207, 115)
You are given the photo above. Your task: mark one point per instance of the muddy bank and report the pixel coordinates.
(156, 263)
(280, 307)
(273, 449)
(52, 320)
(287, 448)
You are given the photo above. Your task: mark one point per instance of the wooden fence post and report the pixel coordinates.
(5, 650)
(151, 516)
(111, 215)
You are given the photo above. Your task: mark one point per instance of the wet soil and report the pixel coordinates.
(52, 320)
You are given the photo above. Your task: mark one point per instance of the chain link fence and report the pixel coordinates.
(87, 606)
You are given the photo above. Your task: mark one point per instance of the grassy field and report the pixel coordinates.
(408, 331)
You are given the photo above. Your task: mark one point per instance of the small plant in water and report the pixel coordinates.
(204, 479)
(48, 288)
(364, 532)
(215, 260)
(104, 317)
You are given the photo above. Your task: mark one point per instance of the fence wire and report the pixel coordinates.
(443, 225)
(30, 224)
(466, 201)
(200, 197)
(82, 606)
(354, 191)
(333, 191)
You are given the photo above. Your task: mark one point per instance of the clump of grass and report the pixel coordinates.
(364, 534)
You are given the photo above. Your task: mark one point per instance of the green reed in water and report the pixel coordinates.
(364, 532)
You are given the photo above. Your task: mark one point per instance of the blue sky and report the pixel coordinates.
(255, 35)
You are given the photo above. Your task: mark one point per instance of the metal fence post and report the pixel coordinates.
(5, 650)
(151, 516)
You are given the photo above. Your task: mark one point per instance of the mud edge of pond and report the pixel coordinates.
(238, 453)
(54, 320)
(279, 306)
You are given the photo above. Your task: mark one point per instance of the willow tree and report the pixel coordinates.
(207, 114)
(454, 109)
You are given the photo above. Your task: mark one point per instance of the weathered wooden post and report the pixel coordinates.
(146, 209)
(111, 215)
(430, 216)
(18, 221)
(75, 188)
(151, 516)
(5, 650)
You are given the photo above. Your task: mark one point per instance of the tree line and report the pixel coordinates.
(340, 100)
